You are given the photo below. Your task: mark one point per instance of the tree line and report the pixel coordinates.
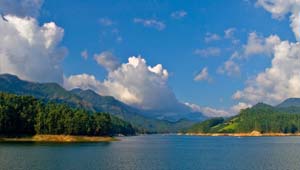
(26, 115)
(262, 118)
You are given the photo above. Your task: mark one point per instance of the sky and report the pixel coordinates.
(214, 57)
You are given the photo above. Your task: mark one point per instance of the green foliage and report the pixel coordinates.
(27, 115)
(261, 117)
(206, 126)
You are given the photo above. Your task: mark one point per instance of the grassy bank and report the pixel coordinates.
(58, 139)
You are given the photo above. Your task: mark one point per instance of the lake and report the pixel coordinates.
(157, 152)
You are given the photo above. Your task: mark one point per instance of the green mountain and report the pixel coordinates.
(89, 100)
(26, 115)
(111, 105)
(48, 91)
(261, 117)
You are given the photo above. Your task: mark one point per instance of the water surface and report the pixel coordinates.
(157, 152)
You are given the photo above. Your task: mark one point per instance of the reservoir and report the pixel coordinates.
(157, 152)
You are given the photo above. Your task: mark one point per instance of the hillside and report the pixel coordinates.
(89, 100)
(261, 117)
(26, 115)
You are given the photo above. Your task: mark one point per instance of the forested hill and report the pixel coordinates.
(261, 117)
(25, 115)
(89, 100)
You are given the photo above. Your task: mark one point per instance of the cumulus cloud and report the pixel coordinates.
(178, 14)
(151, 23)
(107, 60)
(208, 111)
(280, 8)
(256, 45)
(37, 52)
(134, 83)
(203, 75)
(260, 45)
(278, 82)
(83, 81)
(209, 37)
(207, 52)
(238, 107)
(230, 68)
(142, 86)
(21, 8)
(84, 54)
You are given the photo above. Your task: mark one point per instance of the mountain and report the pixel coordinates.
(290, 102)
(111, 105)
(50, 91)
(89, 100)
(261, 117)
(175, 116)
(26, 115)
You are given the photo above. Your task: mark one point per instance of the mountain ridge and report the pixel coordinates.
(262, 118)
(88, 99)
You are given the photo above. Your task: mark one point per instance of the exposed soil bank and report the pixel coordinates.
(58, 139)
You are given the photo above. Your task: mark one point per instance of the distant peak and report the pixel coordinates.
(79, 90)
(261, 104)
(7, 75)
(290, 102)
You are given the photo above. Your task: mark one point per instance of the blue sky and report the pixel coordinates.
(185, 38)
(173, 46)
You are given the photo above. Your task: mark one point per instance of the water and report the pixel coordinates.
(157, 152)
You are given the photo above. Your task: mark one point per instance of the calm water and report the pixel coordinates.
(158, 153)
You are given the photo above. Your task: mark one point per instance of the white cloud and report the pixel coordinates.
(136, 84)
(107, 60)
(229, 68)
(238, 107)
(260, 45)
(295, 24)
(278, 82)
(151, 23)
(208, 111)
(211, 37)
(229, 33)
(207, 52)
(21, 8)
(142, 86)
(106, 21)
(84, 54)
(83, 81)
(178, 14)
(31, 51)
(280, 8)
(203, 75)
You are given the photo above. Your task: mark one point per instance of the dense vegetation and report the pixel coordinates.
(25, 115)
(91, 101)
(263, 118)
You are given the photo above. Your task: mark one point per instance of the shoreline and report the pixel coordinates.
(59, 139)
(250, 134)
